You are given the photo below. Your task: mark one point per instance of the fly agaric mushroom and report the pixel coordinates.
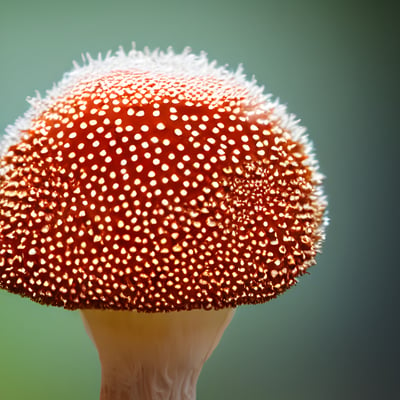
(156, 192)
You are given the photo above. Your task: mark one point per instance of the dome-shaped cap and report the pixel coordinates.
(156, 182)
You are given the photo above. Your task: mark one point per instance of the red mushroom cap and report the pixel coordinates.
(157, 182)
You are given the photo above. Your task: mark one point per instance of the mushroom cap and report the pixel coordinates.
(157, 181)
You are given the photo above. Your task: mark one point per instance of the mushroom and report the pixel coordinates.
(156, 192)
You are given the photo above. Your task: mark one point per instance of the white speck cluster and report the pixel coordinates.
(156, 182)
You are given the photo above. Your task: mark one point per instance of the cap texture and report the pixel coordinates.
(156, 181)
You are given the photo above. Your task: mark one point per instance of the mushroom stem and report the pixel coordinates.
(155, 356)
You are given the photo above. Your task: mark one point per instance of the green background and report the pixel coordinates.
(336, 334)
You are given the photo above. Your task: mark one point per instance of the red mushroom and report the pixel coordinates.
(156, 192)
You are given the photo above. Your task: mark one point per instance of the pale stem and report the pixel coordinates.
(153, 356)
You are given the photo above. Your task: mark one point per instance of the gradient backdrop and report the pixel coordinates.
(336, 334)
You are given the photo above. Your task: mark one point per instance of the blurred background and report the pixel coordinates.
(335, 63)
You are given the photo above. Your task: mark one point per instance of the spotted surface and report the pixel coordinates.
(143, 191)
